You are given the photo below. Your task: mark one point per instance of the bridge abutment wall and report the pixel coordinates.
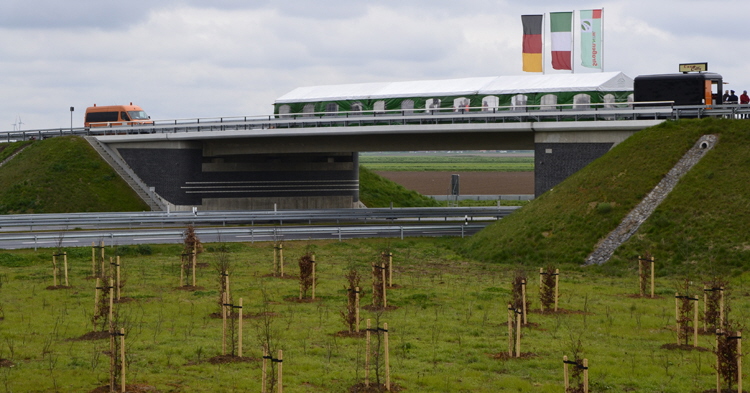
(183, 174)
(558, 155)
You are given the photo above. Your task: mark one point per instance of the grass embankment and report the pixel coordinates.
(377, 191)
(701, 228)
(450, 321)
(62, 175)
(453, 162)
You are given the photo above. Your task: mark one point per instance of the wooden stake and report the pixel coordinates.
(390, 269)
(518, 333)
(382, 273)
(65, 264)
(280, 383)
(374, 288)
(122, 359)
(224, 324)
(111, 300)
(281, 259)
(511, 311)
(585, 376)
(387, 359)
(677, 315)
(367, 354)
(239, 331)
(523, 301)
(356, 307)
(652, 277)
(557, 286)
(565, 372)
(118, 278)
(312, 259)
(264, 377)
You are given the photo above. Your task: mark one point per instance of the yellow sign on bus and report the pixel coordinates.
(694, 67)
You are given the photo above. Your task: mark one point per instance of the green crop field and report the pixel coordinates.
(447, 326)
(447, 162)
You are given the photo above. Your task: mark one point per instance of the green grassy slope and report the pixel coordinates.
(702, 226)
(62, 175)
(377, 191)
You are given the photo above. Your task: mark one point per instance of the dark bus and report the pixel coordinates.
(704, 88)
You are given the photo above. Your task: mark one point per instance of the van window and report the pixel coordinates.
(138, 115)
(101, 117)
(124, 116)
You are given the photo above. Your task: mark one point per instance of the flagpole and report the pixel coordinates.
(602, 39)
(544, 44)
(572, 41)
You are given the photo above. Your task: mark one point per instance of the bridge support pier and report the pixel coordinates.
(558, 155)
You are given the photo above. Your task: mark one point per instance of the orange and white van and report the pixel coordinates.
(115, 115)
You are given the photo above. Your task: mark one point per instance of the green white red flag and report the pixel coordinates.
(561, 31)
(591, 38)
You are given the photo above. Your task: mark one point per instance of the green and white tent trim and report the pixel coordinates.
(524, 92)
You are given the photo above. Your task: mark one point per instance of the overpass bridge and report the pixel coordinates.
(310, 161)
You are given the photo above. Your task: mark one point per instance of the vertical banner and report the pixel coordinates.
(591, 38)
(561, 32)
(532, 42)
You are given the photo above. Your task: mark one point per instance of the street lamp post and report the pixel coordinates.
(71, 118)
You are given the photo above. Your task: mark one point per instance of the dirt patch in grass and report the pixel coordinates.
(135, 388)
(91, 336)
(346, 333)
(235, 315)
(505, 356)
(373, 388)
(6, 363)
(56, 287)
(370, 307)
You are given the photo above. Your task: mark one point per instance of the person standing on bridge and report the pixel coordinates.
(725, 97)
(733, 98)
(744, 100)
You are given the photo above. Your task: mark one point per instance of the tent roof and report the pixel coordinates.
(555, 83)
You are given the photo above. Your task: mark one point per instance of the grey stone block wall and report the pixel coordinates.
(555, 162)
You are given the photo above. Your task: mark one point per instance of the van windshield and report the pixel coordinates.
(138, 115)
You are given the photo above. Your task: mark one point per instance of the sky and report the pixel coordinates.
(182, 59)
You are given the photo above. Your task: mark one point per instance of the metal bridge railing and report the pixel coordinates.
(514, 114)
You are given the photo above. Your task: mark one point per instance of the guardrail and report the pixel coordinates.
(526, 113)
(251, 234)
(73, 221)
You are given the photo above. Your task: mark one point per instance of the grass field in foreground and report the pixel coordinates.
(449, 321)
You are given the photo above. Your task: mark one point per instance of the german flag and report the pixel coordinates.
(532, 42)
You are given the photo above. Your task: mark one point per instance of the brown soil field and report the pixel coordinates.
(471, 183)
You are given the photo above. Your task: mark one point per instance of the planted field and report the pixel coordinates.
(448, 162)
(446, 315)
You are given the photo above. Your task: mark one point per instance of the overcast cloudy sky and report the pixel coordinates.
(191, 58)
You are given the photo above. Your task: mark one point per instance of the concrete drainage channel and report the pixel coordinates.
(630, 224)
